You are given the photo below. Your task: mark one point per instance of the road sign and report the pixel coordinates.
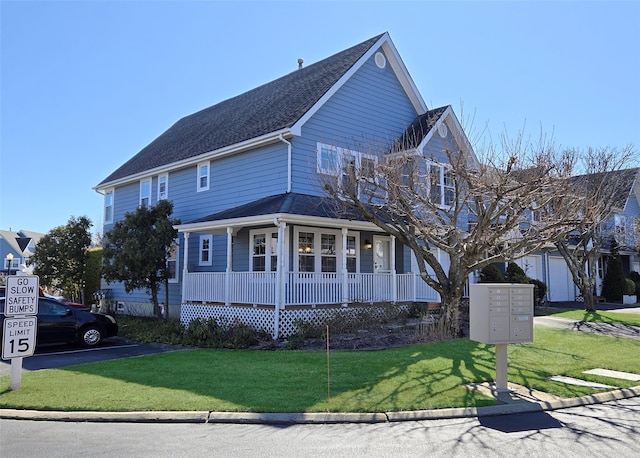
(21, 295)
(19, 337)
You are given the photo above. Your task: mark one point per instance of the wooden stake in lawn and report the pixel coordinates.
(328, 373)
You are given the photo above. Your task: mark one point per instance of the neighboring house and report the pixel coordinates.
(259, 242)
(13, 257)
(550, 267)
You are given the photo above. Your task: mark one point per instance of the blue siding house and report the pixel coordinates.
(259, 241)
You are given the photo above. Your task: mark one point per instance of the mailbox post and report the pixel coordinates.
(500, 314)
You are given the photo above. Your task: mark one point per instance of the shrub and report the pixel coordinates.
(614, 281)
(491, 274)
(539, 291)
(629, 287)
(635, 277)
(515, 274)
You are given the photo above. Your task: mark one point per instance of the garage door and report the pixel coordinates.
(560, 283)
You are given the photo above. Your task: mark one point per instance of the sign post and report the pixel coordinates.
(20, 324)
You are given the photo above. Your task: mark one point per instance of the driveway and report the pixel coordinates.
(50, 357)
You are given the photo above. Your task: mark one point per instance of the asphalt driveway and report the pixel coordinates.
(50, 357)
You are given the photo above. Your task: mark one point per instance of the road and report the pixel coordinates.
(610, 429)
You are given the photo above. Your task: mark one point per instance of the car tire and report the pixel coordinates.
(90, 336)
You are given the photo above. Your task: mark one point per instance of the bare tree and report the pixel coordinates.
(478, 211)
(599, 183)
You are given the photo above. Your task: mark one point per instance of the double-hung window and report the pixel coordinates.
(352, 167)
(442, 185)
(163, 187)
(172, 262)
(145, 193)
(264, 257)
(322, 250)
(108, 206)
(206, 245)
(203, 176)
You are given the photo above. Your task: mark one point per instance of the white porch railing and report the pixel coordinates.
(305, 288)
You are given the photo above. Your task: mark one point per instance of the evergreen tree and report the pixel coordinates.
(614, 279)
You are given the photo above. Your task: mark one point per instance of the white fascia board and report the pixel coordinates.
(220, 226)
(396, 64)
(451, 121)
(271, 137)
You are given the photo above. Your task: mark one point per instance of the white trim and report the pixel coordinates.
(317, 247)
(164, 176)
(201, 249)
(145, 194)
(108, 192)
(396, 64)
(199, 176)
(268, 232)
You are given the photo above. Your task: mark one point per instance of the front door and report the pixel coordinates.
(381, 254)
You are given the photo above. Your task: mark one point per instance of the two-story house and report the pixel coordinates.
(259, 240)
(16, 248)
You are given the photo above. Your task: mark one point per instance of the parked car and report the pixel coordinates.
(61, 323)
(75, 305)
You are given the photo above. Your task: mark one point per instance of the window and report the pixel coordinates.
(206, 243)
(306, 252)
(203, 176)
(172, 262)
(145, 193)
(442, 185)
(163, 186)
(321, 251)
(265, 251)
(620, 228)
(108, 206)
(353, 167)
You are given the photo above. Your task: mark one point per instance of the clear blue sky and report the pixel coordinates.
(86, 85)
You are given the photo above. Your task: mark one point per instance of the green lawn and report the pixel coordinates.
(416, 377)
(632, 319)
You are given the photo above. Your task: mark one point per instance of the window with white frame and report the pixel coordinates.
(163, 187)
(145, 193)
(620, 228)
(264, 255)
(108, 206)
(442, 185)
(320, 250)
(203, 176)
(206, 245)
(172, 262)
(354, 167)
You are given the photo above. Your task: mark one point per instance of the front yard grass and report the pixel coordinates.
(424, 376)
(600, 316)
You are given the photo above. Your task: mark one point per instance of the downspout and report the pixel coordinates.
(289, 166)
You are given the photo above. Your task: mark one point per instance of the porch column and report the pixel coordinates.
(185, 259)
(227, 275)
(393, 270)
(345, 278)
(280, 279)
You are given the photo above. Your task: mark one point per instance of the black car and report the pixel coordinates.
(60, 323)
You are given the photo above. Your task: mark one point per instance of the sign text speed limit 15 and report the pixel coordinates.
(19, 337)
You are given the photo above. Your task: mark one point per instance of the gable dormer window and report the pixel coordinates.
(145, 193)
(163, 187)
(441, 185)
(203, 176)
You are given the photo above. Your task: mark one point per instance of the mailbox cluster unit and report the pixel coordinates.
(501, 313)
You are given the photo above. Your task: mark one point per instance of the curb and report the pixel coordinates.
(317, 418)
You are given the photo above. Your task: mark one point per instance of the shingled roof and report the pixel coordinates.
(288, 203)
(419, 128)
(269, 108)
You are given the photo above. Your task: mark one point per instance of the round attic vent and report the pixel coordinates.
(381, 61)
(442, 130)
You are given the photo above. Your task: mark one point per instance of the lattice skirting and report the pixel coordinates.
(262, 318)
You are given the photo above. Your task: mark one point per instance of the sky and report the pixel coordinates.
(85, 85)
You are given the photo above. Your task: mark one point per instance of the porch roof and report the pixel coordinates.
(290, 207)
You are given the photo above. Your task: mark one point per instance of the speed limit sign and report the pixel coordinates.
(19, 337)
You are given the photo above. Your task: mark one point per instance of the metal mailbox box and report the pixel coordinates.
(501, 313)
